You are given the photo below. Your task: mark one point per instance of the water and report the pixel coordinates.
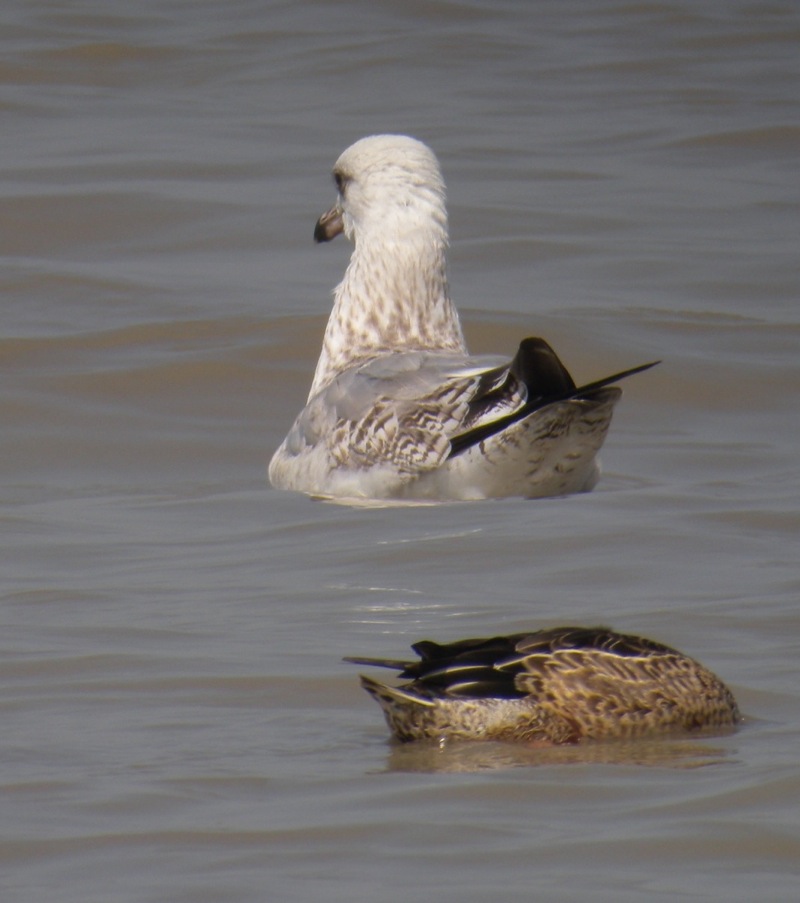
(177, 724)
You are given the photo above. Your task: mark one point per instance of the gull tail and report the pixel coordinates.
(547, 381)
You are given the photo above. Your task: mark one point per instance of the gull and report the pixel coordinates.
(398, 409)
(549, 687)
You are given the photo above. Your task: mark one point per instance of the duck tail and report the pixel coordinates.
(391, 696)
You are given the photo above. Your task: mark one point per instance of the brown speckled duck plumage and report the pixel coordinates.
(555, 686)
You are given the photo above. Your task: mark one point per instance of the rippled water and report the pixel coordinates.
(177, 724)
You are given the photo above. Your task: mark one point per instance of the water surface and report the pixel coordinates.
(178, 725)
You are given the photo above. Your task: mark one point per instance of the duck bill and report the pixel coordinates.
(329, 225)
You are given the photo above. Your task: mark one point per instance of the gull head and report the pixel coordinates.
(393, 296)
(390, 189)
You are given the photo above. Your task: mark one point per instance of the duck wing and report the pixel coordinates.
(522, 664)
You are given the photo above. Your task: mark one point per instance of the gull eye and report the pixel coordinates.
(340, 180)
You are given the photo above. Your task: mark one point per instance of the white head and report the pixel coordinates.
(393, 296)
(390, 189)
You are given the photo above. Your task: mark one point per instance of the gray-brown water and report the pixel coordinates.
(176, 721)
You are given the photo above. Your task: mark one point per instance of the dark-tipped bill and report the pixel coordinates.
(329, 225)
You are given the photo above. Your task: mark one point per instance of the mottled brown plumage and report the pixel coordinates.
(562, 685)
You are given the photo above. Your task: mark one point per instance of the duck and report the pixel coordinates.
(551, 687)
(398, 409)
